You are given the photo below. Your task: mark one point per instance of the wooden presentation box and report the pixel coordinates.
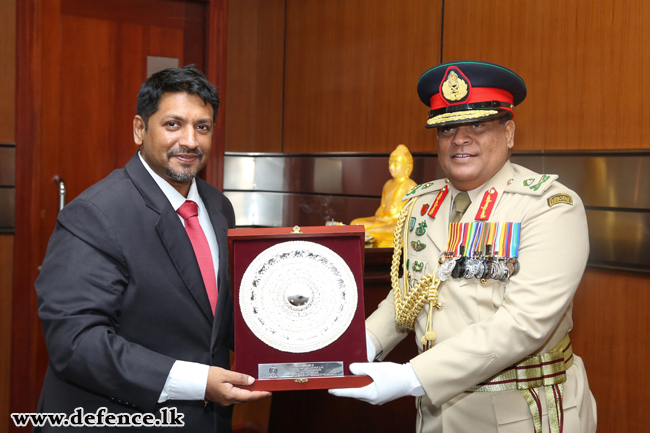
(250, 351)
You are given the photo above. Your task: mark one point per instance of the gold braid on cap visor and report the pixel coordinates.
(459, 116)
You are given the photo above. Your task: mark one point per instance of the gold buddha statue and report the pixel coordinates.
(382, 225)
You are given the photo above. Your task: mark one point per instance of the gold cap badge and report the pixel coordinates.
(454, 88)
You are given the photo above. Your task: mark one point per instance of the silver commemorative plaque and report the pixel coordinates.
(300, 369)
(298, 296)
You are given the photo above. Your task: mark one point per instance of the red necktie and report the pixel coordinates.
(189, 212)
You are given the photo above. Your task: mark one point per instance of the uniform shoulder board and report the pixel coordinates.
(425, 188)
(530, 183)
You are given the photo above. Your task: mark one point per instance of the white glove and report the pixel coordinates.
(391, 381)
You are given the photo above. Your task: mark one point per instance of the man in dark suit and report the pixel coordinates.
(134, 294)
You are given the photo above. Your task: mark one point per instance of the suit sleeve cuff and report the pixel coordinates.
(186, 381)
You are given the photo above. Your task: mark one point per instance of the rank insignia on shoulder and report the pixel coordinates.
(530, 183)
(422, 228)
(412, 224)
(418, 246)
(424, 188)
(413, 190)
(560, 198)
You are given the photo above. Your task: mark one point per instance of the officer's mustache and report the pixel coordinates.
(185, 151)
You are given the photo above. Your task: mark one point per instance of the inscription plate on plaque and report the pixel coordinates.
(300, 369)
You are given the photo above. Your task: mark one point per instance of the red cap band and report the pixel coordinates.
(478, 94)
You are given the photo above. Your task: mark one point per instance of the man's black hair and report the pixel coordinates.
(174, 80)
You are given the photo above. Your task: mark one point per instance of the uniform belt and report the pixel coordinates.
(547, 370)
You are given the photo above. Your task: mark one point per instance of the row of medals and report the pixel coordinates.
(482, 268)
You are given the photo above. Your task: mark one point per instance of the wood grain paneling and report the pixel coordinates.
(254, 76)
(351, 74)
(611, 329)
(252, 417)
(585, 64)
(25, 327)
(194, 39)
(164, 13)
(7, 70)
(164, 41)
(6, 264)
(215, 68)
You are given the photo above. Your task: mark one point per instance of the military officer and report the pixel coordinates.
(492, 257)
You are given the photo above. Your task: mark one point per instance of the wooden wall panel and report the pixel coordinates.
(7, 135)
(194, 37)
(165, 13)
(163, 41)
(7, 70)
(611, 330)
(6, 267)
(585, 63)
(252, 417)
(88, 54)
(136, 37)
(351, 74)
(215, 69)
(254, 76)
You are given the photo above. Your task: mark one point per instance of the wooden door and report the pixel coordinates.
(80, 65)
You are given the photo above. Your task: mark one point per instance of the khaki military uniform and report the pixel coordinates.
(484, 329)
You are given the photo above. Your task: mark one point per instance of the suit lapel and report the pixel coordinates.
(172, 233)
(180, 250)
(220, 227)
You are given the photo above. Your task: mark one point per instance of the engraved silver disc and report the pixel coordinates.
(298, 296)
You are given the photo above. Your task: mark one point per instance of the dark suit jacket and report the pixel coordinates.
(121, 297)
